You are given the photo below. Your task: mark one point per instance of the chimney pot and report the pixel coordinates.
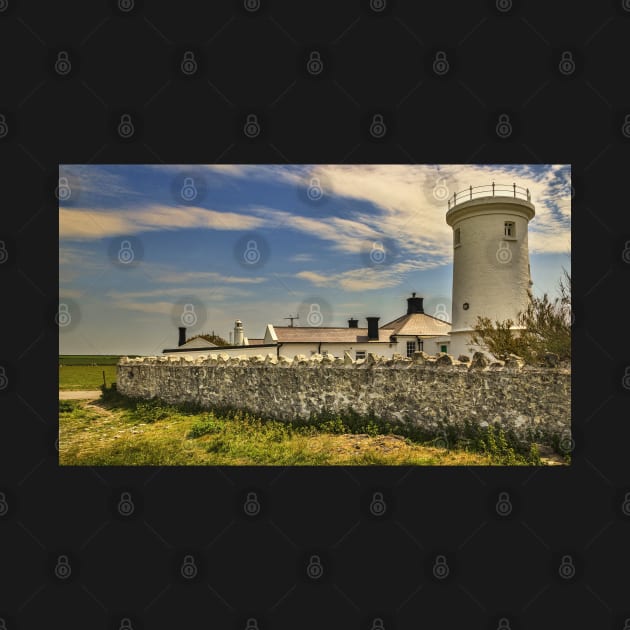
(353, 323)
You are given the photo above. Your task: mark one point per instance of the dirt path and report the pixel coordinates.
(79, 394)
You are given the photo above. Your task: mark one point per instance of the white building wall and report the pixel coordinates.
(430, 345)
(247, 351)
(339, 349)
(198, 342)
(434, 345)
(289, 350)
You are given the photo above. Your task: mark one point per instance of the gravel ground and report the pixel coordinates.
(79, 394)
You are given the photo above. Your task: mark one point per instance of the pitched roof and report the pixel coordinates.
(255, 342)
(295, 334)
(418, 324)
(199, 342)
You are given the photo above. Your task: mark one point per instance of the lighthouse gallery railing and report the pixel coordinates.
(491, 190)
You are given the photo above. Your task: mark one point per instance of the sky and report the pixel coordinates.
(144, 249)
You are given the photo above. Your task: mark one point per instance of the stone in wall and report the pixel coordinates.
(479, 361)
(444, 359)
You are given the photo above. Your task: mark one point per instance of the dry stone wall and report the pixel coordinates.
(431, 393)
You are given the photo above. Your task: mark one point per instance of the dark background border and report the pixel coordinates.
(504, 58)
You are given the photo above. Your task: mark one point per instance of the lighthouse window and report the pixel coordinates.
(359, 354)
(411, 348)
(509, 229)
(457, 237)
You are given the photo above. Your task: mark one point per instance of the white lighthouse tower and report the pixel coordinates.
(239, 335)
(491, 275)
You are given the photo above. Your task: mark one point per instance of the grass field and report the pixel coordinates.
(85, 371)
(88, 359)
(118, 431)
(85, 376)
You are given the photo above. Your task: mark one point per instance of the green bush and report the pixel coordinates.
(495, 442)
(206, 426)
(66, 406)
(546, 328)
(153, 410)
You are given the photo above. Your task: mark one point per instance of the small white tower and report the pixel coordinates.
(238, 333)
(491, 275)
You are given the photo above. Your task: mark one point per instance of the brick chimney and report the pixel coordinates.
(353, 323)
(414, 304)
(372, 328)
(182, 336)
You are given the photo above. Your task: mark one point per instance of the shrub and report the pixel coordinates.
(66, 406)
(153, 410)
(546, 329)
(206, 426)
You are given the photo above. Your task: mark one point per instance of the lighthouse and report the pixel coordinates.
(239, 336)
(491, 273)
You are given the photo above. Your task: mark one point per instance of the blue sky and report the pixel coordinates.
(262, 242)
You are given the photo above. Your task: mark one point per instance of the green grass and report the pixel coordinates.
(122, 431)
(85, 376)
(88, 359)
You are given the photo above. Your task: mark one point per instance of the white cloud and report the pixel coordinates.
(214, 293)
(206, 276)
(413, 200)
(74, 257)
(301, 258)
(97, 179)
(161, 308)
(281, 173)
(74, 262)
(88, 223)
(65, 292)
(409, 206)
(345, 235)
(366, 279)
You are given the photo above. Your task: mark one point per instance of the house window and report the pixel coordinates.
(411, 348)
(359, 354)
(457, 236)
(509, 229)
(443, 348)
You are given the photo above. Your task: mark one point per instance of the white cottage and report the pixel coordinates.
(404, 335)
